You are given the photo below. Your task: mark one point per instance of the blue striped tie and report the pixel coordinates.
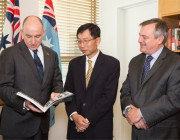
(39, 65)
(146, 67)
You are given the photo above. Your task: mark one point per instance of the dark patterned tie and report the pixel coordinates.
(146, 67)
(39, 65)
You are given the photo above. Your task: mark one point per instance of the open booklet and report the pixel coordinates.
(63, 97)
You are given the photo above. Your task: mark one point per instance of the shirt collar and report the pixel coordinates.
(93, 59)
(39, 50)
(157, 53)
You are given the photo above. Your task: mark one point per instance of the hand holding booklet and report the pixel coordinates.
(63, 97)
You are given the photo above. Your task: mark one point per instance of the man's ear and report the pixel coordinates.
(98, 41)
(160, 39)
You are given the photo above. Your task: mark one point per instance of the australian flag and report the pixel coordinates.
(11, 30)
(51, 39)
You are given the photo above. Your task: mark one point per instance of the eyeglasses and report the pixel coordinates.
(86, 41)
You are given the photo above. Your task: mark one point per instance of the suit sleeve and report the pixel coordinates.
(69, 86)
(125, 97)
(7, 78)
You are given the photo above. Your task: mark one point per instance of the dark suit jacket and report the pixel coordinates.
(96, 102)
(18, 73)
(158, 97)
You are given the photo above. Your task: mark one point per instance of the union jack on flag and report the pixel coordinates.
(51, 39)
(11, 30)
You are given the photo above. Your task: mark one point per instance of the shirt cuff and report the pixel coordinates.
(126, 110)
(24, 106)
(72, 114)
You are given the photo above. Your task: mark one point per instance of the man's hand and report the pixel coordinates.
(54, 95)
(31, 107)
(141, 124)
(134, 115)
(81, 123)
(134, 118)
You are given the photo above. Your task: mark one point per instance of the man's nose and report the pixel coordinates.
(82, 44)
(140, 39)
(33, 40)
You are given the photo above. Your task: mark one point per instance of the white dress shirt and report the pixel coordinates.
(39, 53)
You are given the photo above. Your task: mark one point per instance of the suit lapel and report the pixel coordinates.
(82, 71)
(29, 59)
(140, 70)
(97, 69)
(46, 63)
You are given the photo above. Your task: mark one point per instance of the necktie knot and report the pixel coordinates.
(35, 51)
(149, 58)
(90, 63)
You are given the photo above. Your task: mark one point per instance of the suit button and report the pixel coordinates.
(84, 104)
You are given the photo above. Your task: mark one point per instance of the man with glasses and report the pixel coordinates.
(93, 78)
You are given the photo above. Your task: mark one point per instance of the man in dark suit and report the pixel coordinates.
(18, 72)
(91, 110)
(150, 96)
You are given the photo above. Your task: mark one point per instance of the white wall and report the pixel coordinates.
(28, 7)
(119, 20)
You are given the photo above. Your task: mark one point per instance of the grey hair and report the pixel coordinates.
(161, 28)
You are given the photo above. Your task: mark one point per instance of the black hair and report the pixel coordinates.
(93, 29)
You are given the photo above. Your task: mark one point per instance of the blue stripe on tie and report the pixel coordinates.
(39, 65)
(146, 67)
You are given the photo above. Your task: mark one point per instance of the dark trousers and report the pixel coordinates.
(38, 136)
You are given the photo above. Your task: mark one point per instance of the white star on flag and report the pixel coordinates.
(47, 42)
